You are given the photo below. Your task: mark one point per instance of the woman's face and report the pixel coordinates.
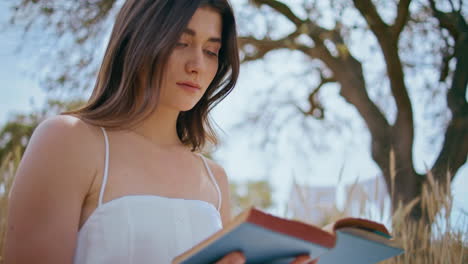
(194, 62)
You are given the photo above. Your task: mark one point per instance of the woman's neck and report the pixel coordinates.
(160, 128)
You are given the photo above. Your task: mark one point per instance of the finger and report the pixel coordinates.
(232, 258)
(303, 259)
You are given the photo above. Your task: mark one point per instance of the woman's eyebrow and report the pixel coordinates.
(192, 32)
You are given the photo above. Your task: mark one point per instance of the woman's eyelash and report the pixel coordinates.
(212, 53)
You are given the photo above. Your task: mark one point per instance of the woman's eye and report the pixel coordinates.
(211, 53)
(181, 44)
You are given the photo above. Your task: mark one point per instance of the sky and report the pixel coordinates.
(20, 92)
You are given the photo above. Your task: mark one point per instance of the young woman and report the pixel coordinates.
(122, 180)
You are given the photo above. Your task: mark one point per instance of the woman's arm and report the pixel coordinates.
(50, 185)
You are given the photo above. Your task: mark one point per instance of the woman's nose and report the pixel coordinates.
(195, 63)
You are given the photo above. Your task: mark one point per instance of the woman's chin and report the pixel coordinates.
(186, 107)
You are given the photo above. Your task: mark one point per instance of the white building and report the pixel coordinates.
(311, 204)
(367, 197)
(319, 204)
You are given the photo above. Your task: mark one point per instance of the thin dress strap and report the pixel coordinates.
(213, 179)
(106, 168)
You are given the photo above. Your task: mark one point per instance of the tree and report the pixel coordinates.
(328, 48)
(331, 49)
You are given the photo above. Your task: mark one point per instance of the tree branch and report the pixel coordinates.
(317, 33)
(282, 9)
(265, 45)
(319, 52)
(372, 17)
(446, 20)
(455, 147)
(402, 17)
(389, 46)
(316, 108)
(347, 71)
(403, 129)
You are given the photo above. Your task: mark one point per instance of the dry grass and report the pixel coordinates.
(7, 171)
(441, 243)
(436, 243)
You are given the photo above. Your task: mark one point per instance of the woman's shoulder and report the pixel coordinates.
(63, 147)
(67, 128)
(65, 134)
(67, 124)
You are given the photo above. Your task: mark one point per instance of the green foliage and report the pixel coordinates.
(250, 193)
(16, 134)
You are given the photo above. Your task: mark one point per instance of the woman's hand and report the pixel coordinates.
(239, 258)
(235, 257)
(303, 259)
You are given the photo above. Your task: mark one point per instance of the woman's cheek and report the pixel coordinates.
(214, 69)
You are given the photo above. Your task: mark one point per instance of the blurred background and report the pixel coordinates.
(343, 108)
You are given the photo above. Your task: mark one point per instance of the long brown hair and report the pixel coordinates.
(143, 37)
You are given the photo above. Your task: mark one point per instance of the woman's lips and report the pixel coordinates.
(189, 87)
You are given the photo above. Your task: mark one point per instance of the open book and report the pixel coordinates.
(265, 238)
